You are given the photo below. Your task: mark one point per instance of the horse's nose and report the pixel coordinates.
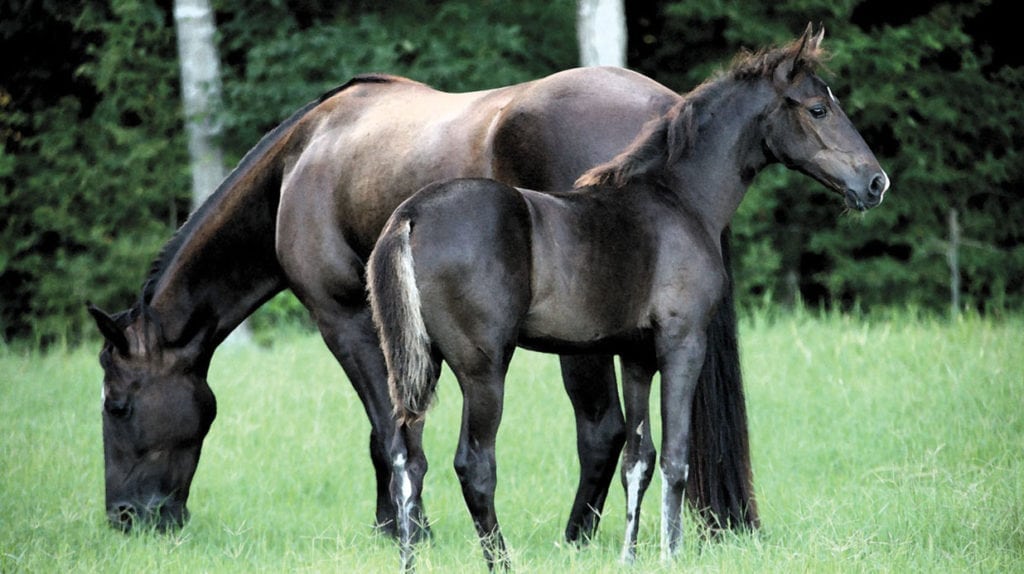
(876, 188)
(121, 515)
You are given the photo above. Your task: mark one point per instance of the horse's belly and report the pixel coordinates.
(564, 326)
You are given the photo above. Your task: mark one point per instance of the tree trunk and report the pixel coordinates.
(200, 91)
(601, 32)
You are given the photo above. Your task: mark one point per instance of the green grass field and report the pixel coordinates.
(878, 446)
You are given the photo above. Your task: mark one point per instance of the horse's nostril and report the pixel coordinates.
(123, 514)
(878, 184)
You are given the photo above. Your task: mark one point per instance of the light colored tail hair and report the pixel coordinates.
(396, 306)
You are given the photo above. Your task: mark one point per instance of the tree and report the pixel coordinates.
(601, 32)
(200, 90)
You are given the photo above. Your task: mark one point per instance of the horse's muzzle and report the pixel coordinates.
(125, 516)
(871, 196)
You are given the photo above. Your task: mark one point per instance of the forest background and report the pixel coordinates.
(94, 166)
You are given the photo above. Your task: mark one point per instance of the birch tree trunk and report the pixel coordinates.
(601, 32)
(200, 92)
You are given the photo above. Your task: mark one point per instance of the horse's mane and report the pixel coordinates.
(672, 135)
(251, 159)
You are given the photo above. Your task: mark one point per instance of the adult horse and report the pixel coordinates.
(629, 263)
(302, 211)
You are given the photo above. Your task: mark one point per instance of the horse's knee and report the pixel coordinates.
(674, 472)
(613, 429)
(604, 439)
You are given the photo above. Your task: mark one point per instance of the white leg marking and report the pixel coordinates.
(633, 477)
(666, 514)
(404, 478)
(665, 490)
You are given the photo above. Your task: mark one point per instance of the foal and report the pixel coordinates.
(629, 263)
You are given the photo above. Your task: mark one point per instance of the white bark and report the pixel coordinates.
(601, 32)
(200, 91)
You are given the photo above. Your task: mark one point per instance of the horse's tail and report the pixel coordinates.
(720, 485)
(396, 307)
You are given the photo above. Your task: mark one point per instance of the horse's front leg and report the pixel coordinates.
(681, 355)
(351, 337)
(326, 275)
(639, 455)
(600, 433)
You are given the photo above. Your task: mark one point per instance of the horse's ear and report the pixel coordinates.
(109, 328)
(810, 43)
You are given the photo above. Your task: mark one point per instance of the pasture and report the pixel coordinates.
(879, 445)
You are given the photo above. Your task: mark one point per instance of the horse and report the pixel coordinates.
(302, 211)
(628, 263)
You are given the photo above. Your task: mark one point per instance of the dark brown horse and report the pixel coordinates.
(629, 263)
(302, 211)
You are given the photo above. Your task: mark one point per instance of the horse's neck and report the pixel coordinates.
(716, 173)
(224, 265)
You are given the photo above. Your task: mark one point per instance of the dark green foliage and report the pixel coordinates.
(94, 167)
(93, 179)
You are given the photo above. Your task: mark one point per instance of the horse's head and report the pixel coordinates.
(807, 130)
(157, 408)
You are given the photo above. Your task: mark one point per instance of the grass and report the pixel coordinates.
(879, 446)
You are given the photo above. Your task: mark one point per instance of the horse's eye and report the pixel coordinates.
(818, 111)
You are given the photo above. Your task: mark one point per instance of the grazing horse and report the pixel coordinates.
(302, 211)
(628, 263)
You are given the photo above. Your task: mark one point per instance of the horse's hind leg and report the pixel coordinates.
(600, 433)
(639, 455)
(474, 456)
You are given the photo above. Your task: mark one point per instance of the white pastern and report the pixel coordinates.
(633, 477)
(667, 517)
(404, 481)
(666, 552)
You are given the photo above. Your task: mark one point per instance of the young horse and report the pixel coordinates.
(629, 263)
(302, 211)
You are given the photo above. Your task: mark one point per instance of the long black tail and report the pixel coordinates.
(721, 484)
(395, 303)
